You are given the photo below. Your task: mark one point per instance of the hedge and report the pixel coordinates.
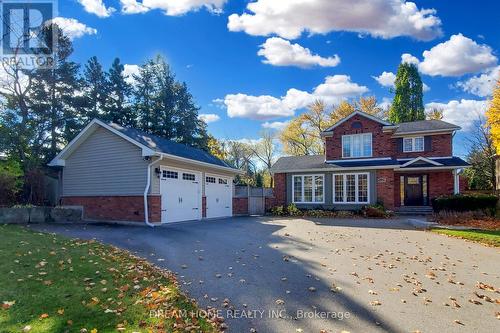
(466, 203)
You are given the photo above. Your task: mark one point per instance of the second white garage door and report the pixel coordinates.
(180, 195)
(219, 194)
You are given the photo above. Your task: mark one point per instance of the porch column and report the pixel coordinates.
(456, 182)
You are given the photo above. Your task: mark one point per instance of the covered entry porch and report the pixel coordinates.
(417, 188)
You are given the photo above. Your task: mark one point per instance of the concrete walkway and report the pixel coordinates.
(309, 275)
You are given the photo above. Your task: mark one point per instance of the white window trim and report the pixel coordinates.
(362, 145)
(413, 150)
(344, 176)
(313, 189)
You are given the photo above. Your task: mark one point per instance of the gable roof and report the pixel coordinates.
(421, 126)
(149, 144)
(360, 113)
(170, 147)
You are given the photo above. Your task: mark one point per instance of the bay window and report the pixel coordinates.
(415, 144)
(308, 189)
(351, 188)
(357, 145)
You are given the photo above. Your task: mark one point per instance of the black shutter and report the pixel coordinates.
(399, 145)
(428, 143)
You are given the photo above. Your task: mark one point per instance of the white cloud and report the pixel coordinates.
(171, 7)
(463, 113)
(408, 58)
(457, 56)
(275, 125)
(96, 7)
(280, 52)
(129, 71)
(379, 18)
(209, 117)
(386, 79)
(73, 28)
(335, 89)
(133, 7)
(481, 85)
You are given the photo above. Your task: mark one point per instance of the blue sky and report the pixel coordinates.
(308, 49)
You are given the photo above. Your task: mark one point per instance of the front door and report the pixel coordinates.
(414, 191)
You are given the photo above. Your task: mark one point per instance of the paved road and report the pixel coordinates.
(386, 276)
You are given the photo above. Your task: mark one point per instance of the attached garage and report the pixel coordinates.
(123, 174)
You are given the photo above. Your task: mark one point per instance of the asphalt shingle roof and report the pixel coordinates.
(165, 146)
(423, 126)
(317, 162)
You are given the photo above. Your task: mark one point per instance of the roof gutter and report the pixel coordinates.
(146, 192)
(209, 165)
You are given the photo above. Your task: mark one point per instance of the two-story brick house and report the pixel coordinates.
(367, 161)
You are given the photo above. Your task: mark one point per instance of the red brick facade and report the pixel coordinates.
(440, 183)
(279, 190)
(383, 144)
(386, 188)
(117, 208)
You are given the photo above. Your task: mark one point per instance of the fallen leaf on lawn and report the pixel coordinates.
(26, 328)
(94, 330)
(60, 311)
(473, 301)
(69, 322)
(44, 316)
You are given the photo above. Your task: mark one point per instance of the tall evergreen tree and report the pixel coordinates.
(95, 90)
(165, 107)
(54, 97)
(117, 108)
(408, 102)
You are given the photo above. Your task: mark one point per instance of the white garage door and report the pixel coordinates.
(219, 194)
(180, 195)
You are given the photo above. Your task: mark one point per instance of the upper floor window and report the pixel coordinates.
(414, 144)
(357, 145)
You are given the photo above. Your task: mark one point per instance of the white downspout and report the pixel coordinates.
(146, 192)
(456, 181)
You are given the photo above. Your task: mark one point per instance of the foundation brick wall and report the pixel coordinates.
(116, 208)
(240, 206)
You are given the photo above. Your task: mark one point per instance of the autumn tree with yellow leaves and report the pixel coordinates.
(493, 117)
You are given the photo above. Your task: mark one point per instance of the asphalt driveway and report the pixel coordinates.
(296, 275)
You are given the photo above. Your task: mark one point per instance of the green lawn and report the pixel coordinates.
(489, 237)
(54, 284)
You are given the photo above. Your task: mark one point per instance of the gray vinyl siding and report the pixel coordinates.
(105, 164)
(328, 191)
